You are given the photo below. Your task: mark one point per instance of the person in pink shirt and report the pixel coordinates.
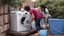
(36, 15)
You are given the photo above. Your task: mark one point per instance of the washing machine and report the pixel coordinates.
(20, 21)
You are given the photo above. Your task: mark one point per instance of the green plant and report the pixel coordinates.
(15, 2)
(1, 2)
(39, 2)
(56, 7)
(5, 2)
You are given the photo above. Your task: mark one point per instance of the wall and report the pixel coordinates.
(29, 3)
(4, 18)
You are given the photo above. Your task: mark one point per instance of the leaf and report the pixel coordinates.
(56, 7)
(15, 2)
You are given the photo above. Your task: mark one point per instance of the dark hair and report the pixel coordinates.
(27, 8)
(43, 6)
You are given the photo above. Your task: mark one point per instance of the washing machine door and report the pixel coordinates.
(25, 20)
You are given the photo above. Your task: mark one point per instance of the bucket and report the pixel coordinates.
(43, 32)
(56, 26)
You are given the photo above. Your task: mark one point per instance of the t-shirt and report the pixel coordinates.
(36, 13)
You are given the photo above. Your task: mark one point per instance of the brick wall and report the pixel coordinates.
(4, 18)
(29, 3)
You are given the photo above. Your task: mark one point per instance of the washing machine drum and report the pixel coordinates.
(22, 20)
(25, 20)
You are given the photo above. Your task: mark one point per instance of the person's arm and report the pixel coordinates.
(32, 16)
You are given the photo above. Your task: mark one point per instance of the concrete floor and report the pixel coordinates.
(48, 34)
(38, 34)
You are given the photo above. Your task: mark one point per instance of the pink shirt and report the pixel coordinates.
(36, 13)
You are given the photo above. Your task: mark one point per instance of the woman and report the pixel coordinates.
(43, 9)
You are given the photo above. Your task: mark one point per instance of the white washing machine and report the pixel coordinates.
(16, 21)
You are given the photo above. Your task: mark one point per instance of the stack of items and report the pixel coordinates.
(4, 19)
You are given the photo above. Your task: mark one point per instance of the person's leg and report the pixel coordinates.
(38, 24)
